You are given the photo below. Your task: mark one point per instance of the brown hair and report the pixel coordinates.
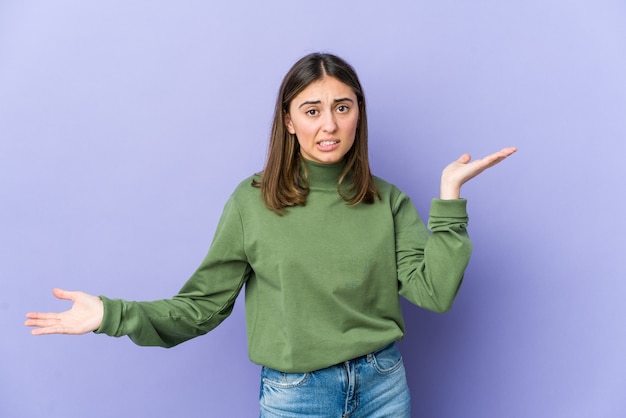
(282, 181)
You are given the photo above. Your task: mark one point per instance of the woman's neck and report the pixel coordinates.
(323, 175)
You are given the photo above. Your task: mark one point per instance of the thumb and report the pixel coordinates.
(63, 294)
(464, 159)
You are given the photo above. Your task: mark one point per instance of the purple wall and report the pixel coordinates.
(124, 127)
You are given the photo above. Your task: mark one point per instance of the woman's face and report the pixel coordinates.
(324, 118)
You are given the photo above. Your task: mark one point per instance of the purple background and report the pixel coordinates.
(124, 126)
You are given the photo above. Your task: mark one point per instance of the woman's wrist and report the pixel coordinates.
(449, 192)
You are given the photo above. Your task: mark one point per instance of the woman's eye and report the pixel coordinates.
(342, 109)
(311, 112)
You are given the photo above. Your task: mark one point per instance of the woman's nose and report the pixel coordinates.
(329, 124)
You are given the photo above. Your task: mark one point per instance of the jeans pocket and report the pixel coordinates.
(281, 380)
(388, 360)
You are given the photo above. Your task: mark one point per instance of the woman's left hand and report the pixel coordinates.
(462, 170)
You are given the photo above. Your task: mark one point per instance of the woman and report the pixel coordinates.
(323, 248)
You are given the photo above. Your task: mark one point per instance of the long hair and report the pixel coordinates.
(283, 181)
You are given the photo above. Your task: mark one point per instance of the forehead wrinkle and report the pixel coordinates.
(319, 93)
(314, 102)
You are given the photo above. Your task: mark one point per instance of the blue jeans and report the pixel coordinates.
(372, 386)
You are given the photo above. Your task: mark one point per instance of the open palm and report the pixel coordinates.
(84, 316)
(462, 170)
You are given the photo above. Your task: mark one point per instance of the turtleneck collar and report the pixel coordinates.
(323, 175)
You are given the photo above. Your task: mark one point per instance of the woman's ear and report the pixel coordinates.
(289, 124)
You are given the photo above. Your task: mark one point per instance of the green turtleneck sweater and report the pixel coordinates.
(321, 282)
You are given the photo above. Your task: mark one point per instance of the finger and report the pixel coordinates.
(42, 315)
(464, 159)
(58, 329)
(41, 322)
(503, 153)
(496, 157)
(64, 294)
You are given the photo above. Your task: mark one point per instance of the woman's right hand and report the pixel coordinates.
(84, 316)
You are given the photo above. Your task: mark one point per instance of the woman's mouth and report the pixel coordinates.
(328, 144)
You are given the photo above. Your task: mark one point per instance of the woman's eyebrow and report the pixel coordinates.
(315, 102)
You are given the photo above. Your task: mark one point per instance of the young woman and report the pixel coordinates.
(323, 248)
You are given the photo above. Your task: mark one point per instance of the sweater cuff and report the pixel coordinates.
(455, 208)
(112, 316)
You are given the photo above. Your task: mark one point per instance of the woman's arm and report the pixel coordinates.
(202, 304)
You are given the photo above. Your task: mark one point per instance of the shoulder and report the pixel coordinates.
(246, 193)
(391, 195)
(244, 198)
(388, 191)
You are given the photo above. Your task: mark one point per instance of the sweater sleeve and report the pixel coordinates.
(431, 265)
(202, 304)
